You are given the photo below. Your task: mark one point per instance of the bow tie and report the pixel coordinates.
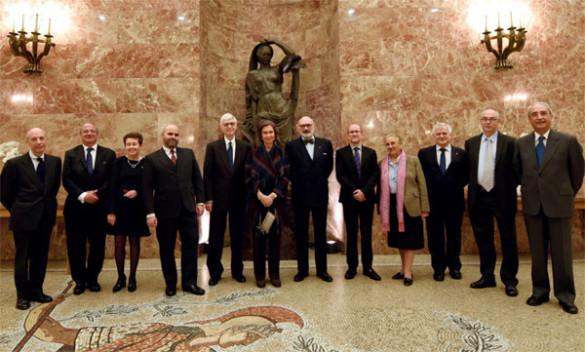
(308, 141)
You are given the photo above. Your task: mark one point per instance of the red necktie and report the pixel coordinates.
(173, 158)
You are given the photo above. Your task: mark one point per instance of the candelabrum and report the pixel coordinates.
(516, 38)
(18, 47)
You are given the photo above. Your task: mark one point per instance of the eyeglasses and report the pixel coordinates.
(490, 119)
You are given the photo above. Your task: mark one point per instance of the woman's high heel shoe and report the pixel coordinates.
(121, 283)
(132, 283)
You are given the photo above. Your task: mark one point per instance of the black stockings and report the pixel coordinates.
(120, 253)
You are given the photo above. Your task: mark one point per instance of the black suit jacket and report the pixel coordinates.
(505, 181)
(223, 186)
(25, 197)
(76, 180)
(555, 183)
(168, 187)
(347, 175)
(309, 177)
(445, 190)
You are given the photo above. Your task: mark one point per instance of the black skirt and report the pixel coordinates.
(412, 237)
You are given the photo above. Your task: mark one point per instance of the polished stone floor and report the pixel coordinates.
(356, 315)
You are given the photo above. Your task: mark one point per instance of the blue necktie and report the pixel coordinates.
(540, 150)
(443, 162)
(89, 161)
(231, 155)
(358, 163)
(41, 170)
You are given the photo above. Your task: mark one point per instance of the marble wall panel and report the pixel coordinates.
(393, 66)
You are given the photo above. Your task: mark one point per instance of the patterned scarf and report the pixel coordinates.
(385, 193)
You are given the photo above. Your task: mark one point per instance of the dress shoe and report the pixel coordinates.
(79, 288)
(325, 277)
(275, 281)
(398, 276)
(439, 276)
(94, 287)
(569, 308)
(120, 283)
(483, 283)
(373, 275)
(408, 281)
(213, 281)
(350, 274)
(511, 291)
(132, 283)
(22, 304)
(300, 276)
(261, 283)
(455, 274)
(170, 291)
(41, 298)
(535, 301)
(239, 278)
(194, 289)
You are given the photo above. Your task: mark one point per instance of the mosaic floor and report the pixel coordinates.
(356, 315)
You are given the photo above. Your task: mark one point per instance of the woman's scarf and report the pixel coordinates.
(385, 195)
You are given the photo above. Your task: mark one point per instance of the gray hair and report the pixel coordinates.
(88, 123)
(540, 103)
(393, 135)
(442, 125)
(494, 110)
(227, 117)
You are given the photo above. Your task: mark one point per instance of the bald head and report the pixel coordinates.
(170, 136)
(306, 127)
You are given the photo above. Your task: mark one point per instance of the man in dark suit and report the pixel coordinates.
(225, 193)
(172, 185)
(356, 168)
(446, 170)
(86, 177)
(311, 163)
(492, 194)
(551, 167)
(30, 184)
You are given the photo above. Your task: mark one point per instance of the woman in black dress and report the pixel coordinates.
(125, 210)
(403, 204)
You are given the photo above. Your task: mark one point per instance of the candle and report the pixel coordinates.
(520, 20)
(511, 22)
(13, 25)
(486, 28)
(22, 23)
(49, 32)
(498, 20)
(37, 22)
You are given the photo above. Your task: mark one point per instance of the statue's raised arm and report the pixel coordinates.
(264, 98)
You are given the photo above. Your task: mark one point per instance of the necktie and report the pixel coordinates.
(443, 162)
(487, 177)
(89, 161)
(540, 150)
(230, 151)
(173, 158)
(41, 170)
(358, 163)
(308, 141)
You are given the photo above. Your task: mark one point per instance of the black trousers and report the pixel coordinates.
(444, 238)
(358, 215)
(86, 225)
(482, 216)
(30, 260)
(217, 226)
(166, 233)
(260, 241)
(302, 212)
(556, 232)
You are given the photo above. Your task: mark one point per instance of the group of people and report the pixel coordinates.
(248, 186)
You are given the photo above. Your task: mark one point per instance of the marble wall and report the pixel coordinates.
(391, 65)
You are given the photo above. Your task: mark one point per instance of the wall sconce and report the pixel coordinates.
(18, 45)
(516, 38)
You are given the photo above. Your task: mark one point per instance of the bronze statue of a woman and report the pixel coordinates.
(264, 98)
